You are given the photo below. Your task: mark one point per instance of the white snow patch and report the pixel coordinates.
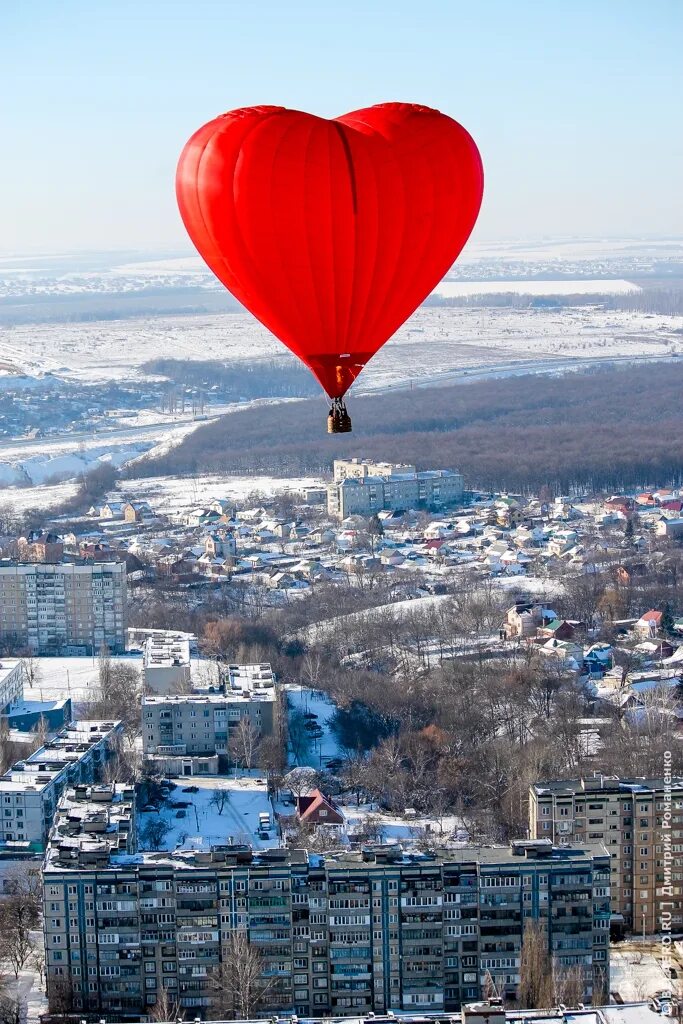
(462, 289)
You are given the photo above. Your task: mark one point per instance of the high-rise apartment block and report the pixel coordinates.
(341, 934)
(627, 815)
(64, 607)
(362, 487)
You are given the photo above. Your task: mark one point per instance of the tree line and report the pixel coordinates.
(607, 429)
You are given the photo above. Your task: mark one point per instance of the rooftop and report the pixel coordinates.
(68, 746)
(646, 1012)
(7, 667)
(166, 651)
(603, 784)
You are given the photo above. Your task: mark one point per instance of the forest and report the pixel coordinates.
(593, 430)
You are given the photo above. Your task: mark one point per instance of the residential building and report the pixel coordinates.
(626, 815)
(72, 607)
(135, 511)
(341, 934)
(12, 678)
(669, 528)
(187, 732)
(649, 624)
(30, 789)
(166, 663)
(40, 547)
(315, 808)
(362, 488)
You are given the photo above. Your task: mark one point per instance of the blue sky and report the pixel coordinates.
(576, 104)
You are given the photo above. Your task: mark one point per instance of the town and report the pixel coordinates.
(353, 746)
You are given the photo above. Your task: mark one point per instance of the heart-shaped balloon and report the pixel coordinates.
(331, 232)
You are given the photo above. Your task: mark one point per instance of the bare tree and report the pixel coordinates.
(243, 742)
(166, 1007)
(238, 984)
(568, 984)
(119, 694)
(17, 917)
(32, 669)
(219, 800)
(535, 985)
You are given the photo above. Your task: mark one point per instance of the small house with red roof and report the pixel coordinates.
(318, 809)
(649, 624)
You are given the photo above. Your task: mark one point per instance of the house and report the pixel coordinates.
(318, 809)
(220, 546)
(619, 503)
(626, 574)
(521, 621)
(669, 528)
(569, 653)
(40, 547)
(202, 517)
(562, 542)
(598, 659)
(112, 510)
(655, 650)
(223, 507)
(558, 629)
(135, 511)
(649, 624)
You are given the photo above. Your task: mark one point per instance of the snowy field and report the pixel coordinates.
(70, 677)
(170, 495)
(25, 499)
(459, 289)
(440, 339)
(206, 823)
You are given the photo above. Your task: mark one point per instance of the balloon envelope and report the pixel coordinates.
(331, 232)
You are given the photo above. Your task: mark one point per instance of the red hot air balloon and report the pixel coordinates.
(331, 232)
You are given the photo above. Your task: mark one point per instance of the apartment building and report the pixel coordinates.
(166, 662)
(341, 934)
(30, 789)
(64, 608)
(362, 487)
(187, 732)
(627, 816)
(12, 678)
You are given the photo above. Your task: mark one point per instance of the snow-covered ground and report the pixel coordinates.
(308, 701)
(438, 339)
(203, 824)
(118, 273)
(405, 829)
(70, 677)
(636, 969)
(23, 499)
(54, 458)
(168, 494)
(458, 289)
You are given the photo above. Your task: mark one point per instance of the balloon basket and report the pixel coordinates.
(338, 420)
